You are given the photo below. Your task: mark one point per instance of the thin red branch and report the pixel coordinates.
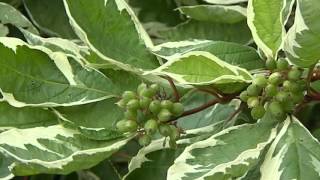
(174, 89)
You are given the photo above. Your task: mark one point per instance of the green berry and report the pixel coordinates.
(155, 88)
(294, 74)
(151, 126)
(282, 64)
(166, 104)
(144, 102)
(271, 90)
(128, 95)
(260, 81)
(147, 93)
(144, 140)
(271, 64)
(130, 114)
(155, 107)
(177, 109)
(258, 112)
(244, 96)
(297, 97)
(165, 130)
(122, 103)
(133, 104)
(175, 133)
(164, 115)
(127, 126)
(141, 87)
(282, 96)
(253, 90)
(288, 106)
(276, 109)
(291, 86)
(253, 101)
(275, 78)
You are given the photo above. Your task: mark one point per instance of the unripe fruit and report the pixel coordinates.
(294, 74)
(175, 133)
(297, 97)
(271, 64)
(147, 93)
(165, 130)
(253, 90)
(128, 95)
(151, 126)
(253, 101)
(130, 114)
(288, 106)
(244, 96)
(155, 88)
(127, 126)
(275, 78)
(166, 104)
(177, 109)
(260, 81)
(144, 140)
(144, 102)
(271, 90)
(133, 104)
(155, 107)
(258, 112)
(282, 64)
(141, 87)
(122, 103)
(164, 115)
(291, 86)
(276, 109)
(282, 96)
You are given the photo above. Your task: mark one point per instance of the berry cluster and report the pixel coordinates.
(279, 93)
(147, 112)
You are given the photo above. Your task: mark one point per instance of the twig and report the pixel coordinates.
(309, 77)
(212, 92)
(174, 89)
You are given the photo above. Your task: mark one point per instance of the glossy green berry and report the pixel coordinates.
(133, 104)
(155, 107)
(141, 87)
(144, 102)
(253, 90)
(151, 126)
(275, 78)
(155, 88)
(130, 114)
(166, 104)
(244, 96)
(144, 140)
(294, 74)
(127, 126)
(282, 64)
(271, 90)
(276, 109)
(147, 93)
(165, 130)
(177, 109)
(258, 112)
(260, 81)
(291, 86)
(253, 101)
(282, 96)
(164, 115)
(122, 103)
(271, 64)
(128, 95)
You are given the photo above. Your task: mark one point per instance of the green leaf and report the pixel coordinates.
(232, 53)
(50, 17)
(4, 31)
(215, 13)
(202, 69)
(53, 149)
(24, 79)
(10, 15)
(4, 168)
(225, 1)
(266, 19)
(225, 155)
(303, 42)
(26, 117)
(118, 37)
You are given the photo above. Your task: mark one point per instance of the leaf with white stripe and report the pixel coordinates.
(118, 38)
(266, 19)
(215, 13)
(202, 69)
(225, 1)
(53, 150)
(232, 53)
(225, 155)
(303, 42)
(35, 76)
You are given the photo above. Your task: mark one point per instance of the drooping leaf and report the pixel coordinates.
(302, 43)
(266, 19)
(232, 53)
(118, 37)
(4, 31)
(50, 17)
(4, 168)
(39, 77)
(203, 69)
(53, 149)
(225, 1)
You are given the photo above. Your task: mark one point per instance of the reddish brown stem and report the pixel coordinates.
(174, 89)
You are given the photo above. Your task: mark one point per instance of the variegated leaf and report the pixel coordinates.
(232, 53)
(266, 19)
(203, 69)
(303, 42)
(225, 1)
(118, 38)
(36, 76)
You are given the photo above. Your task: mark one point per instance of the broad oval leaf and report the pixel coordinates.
(303, 42)
(118, 37)
(266, 19)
